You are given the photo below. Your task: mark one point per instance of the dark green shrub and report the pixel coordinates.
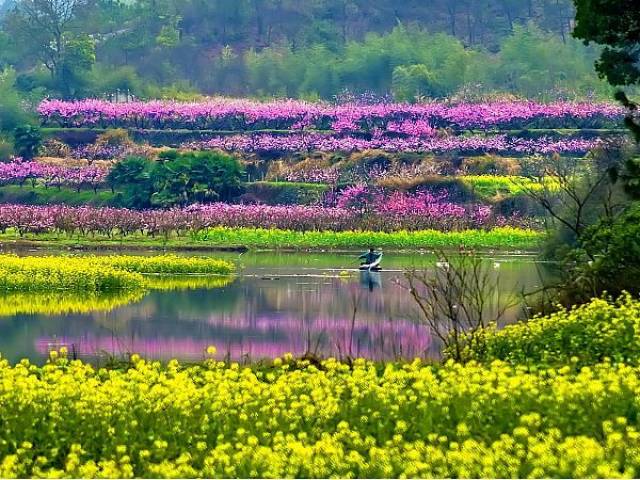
(177, 179)
(27, 141)
(132, 177)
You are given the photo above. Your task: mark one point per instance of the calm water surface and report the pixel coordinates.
(277, 303)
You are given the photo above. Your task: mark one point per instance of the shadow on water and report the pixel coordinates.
(301, 303)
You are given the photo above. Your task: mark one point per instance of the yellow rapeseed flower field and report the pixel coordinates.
(99, 273)
(295, 419)
(584, 334)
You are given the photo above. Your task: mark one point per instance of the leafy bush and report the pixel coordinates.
(177, 179)
(614, 247)
(133, 177)
(195, 177)
(585, 335)
(27, 141)
(294, 419)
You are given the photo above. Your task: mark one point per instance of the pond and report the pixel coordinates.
(278, 303)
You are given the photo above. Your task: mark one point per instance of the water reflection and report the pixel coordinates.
(371, 280)
(286, 303)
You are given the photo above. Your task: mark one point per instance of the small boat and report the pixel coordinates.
(373, 266)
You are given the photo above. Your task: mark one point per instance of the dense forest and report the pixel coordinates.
(312, 49)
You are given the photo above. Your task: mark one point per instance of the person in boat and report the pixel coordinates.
(370, 259)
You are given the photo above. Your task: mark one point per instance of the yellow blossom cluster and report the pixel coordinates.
(98, 273)
(294, 418)
(165, 264)
(585, 334)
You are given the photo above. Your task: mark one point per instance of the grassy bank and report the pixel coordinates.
(504, 238)
(39, 195)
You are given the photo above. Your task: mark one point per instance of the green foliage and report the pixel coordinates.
(613, 23)
(613, 245)
(132, 177)
(412, 82)
(583, 335)
(177, 179)
(534, 63)
(195, 177)
(12, 110)
(631, 177)
(79, 57)
(27, 140)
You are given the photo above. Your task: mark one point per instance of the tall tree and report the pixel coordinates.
(42, 28)
(615, 24)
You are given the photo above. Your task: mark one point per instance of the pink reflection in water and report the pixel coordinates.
(267, 337)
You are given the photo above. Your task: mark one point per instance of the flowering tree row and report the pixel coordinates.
(475, 144)
(418, 212)
(20, 172)
(241, 114)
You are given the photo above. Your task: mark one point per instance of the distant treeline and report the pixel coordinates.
(308, 49)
